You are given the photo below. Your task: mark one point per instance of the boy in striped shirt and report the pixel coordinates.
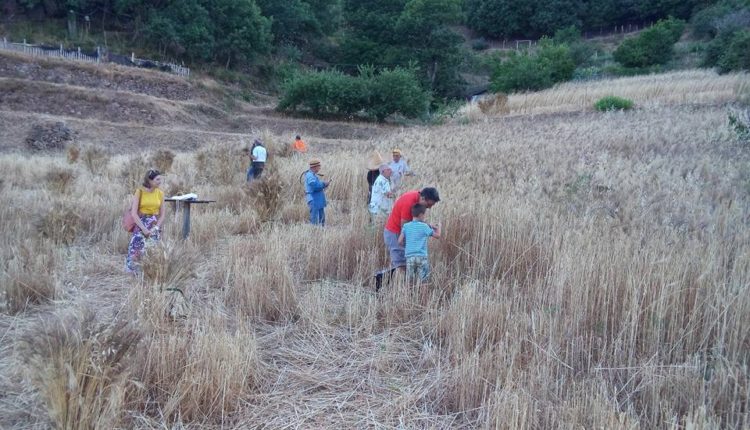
(413, 238)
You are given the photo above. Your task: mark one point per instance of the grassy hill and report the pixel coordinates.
(593, 271)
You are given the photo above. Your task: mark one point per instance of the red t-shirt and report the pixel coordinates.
(402, 211)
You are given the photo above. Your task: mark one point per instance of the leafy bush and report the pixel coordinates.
(557, 59)
(395, 91)
(736, 54)
(550, 65)
(611, 103)
(708, 22)
(325, 92)
(739, 121)
(567, 35)
(519, 72)
(653, 46)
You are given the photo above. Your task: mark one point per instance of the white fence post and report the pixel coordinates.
(78, 55)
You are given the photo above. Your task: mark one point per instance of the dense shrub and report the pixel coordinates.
(396, 91)
(735, 55)
(709, 22)
(580, 50)
(610, 103)
(551, 64)
(519, 72)
(325, 92)
(739, 121)
(376, 95)
(653, 46)
(557, 60)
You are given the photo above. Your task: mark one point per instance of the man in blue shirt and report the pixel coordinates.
(315, 194)
(413, 238)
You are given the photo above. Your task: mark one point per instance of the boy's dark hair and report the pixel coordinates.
(430, 193)
(418, 210)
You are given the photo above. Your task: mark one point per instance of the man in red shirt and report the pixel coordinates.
(400, 215)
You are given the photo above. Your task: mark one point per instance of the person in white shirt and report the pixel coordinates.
(400, 169)
(258, 155)
(381, 201)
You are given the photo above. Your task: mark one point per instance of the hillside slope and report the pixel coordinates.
(140, 107)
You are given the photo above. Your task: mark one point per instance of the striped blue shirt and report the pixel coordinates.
(416, 234)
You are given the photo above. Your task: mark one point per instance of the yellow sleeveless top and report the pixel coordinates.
(150, 201)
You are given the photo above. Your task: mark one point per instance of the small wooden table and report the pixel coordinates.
(185, 204)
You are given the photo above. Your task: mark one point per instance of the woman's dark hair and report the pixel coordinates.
(430, 193)
(298, 137)
(150, 175)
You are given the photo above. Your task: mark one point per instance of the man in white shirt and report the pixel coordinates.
(258, 156)
(400, 169)
(382, 196)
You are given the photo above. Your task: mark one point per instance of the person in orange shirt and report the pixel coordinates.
(299, 145)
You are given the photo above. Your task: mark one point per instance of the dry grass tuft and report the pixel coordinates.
(266, 194)
(61, 223)
(176, 184)
(59, 179)
(170, 264)
(198, 373)
(80, 368)
(259, 283)
(28, 272)
(95, 159)
(133, 171)
(495, 104)
(221, 164)
(162, 160)
(73, 153)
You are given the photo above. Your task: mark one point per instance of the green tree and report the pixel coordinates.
(652, 46)
(499, 18)
(293, 21)
(556, 59)
(422, 28)
(736, 56)
(520, 72)
(241, 32)
(708, 22)
(181, 28)
(551, 64)
(397, 91)
(552, 15)
(369, 36)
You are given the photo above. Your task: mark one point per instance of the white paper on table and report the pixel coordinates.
(189, 196)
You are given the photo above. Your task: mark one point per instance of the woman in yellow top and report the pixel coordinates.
(148, 216)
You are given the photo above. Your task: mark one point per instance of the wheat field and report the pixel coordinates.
(593, 273)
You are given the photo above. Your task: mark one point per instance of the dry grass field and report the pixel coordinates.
(593, 273)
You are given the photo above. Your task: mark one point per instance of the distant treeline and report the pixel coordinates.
(418, 35)
(534, 18)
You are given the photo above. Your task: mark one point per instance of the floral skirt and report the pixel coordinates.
(138, 243)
